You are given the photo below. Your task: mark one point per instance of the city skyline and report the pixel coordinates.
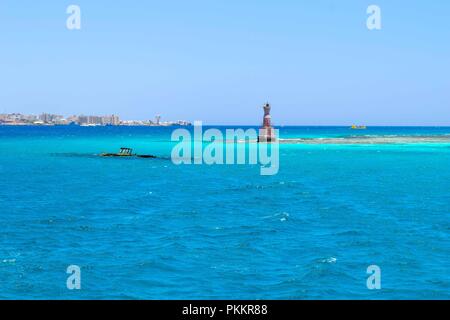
(157, 120)
(55, 119)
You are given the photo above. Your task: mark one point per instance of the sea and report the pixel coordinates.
(151, 229)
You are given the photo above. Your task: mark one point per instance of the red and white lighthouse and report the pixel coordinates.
(266, 133)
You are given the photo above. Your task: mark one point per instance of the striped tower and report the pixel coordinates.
(266, 133)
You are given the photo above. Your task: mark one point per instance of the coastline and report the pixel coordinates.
(355, 140)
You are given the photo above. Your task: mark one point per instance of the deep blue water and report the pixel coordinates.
(148, 229)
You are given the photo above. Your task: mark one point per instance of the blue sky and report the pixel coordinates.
(220, 60)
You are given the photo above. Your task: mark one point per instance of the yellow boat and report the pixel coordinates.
(355, 127)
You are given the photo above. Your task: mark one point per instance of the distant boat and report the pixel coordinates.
(355, 127)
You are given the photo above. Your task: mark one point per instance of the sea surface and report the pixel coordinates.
(150, 229)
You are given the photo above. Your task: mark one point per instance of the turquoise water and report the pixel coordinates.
(148, 229)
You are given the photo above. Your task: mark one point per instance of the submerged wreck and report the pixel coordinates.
(127, 152)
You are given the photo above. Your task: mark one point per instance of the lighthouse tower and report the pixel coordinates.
(266, 133)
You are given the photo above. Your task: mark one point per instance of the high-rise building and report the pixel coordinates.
(46, 117)
(110, 120)
(98, 120)
(73, 119)
(82, 119)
